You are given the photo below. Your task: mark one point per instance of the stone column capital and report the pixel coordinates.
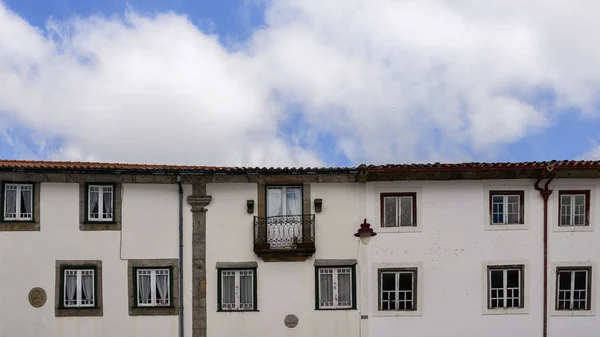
(199, 202)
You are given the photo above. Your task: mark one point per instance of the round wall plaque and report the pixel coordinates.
(37, 297)
(291, 321)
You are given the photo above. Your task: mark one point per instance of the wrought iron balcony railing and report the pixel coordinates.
(286, 232)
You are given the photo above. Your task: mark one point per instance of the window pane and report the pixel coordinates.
(10, 202)
(579, 210)
(390, 212)
(513, 209)
(406, 211)
(107, 202)
(580, 280)
(388, 281)
(293, 200)
(344, 288)
(496, 278)
(246, 290)
(564, 280)
(274, 201)
(512, 280)
(70, 287)
(405, 281)
(228, 290)
(94, 194)
(144, 286)
(87, 287)
(326, 287)
(162, 287)
(497, 209)
(565, 210)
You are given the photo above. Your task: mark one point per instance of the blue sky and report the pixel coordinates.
(280, 83)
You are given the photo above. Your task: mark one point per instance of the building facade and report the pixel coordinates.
(495, 249)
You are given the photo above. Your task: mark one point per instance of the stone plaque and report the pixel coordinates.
(37, 297)
(291, 321)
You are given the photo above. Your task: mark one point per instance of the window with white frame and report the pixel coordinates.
(18, 202)
(335, 287)
(398, 210)
(506, 207)
(505, 287)
(100, 202)
(79, 288)
(573, 288)
(153, 287)
(237, 289)
(398, 289)
(574, 208)
(284, 200)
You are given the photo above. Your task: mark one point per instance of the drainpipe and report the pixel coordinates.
(545, 192)
(181, 330)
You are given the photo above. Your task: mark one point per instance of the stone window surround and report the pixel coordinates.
(59, 310)
(19, 225)
(173, 265)
(85, 224)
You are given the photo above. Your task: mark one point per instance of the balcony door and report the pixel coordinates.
(284, 216)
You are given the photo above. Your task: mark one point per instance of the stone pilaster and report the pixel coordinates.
(199, 200)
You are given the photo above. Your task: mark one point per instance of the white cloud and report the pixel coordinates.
(391, 80)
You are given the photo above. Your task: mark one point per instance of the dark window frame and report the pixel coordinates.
(521, 195)
(588, 290)
(521, 267)
(353, 305)
(561, 193)
(254, 289)
(135, 288)
(382, 197)
(415, 294)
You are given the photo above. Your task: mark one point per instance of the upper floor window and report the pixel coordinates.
(505, 287)
(335, 287)
(153, 287)
(574, 207)
(284, 200)
(398, 289)
(506, 207)
(398, 210)
(100, 203)
(573, 288)
(237, 289)
(18, 202)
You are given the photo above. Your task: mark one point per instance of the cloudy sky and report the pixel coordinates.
(299, 83)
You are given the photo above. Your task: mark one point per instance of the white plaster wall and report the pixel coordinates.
(283, 287)
(27, 260)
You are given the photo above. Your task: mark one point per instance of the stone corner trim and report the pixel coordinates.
(60, 311)
(237, 265)
(199, 200)
(335, 262)
(131, 279)
(84, 225)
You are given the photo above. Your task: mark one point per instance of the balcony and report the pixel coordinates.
(285, 237)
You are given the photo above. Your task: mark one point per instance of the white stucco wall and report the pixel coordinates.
(452, 249)
(283, 287)
(27, 260)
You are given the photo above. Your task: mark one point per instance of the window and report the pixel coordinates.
(153, 287)
(505, 287)
(284, 200)
(18, 202)
(574, 208)
(335, 288)
(397, 289)
(237, 289)
(100, 203)
(506, 207)
(398, 210)
(78, 288)
(573, 288)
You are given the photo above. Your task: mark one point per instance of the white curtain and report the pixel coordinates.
(162, 285)
(10, 204)
(26, 202)
(94, 203)
(326, 289)
(87, 285)
(274, 199)
(344, 289)
(228, 291)
(246, 291)
(294, 201)
(71, 289)
(144, 288)
(107, 202)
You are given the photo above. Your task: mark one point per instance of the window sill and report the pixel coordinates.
(508, 227)
(78, 312)
(100, 226)
(19, 225)
(153, 311)
(234, 311)
(514, 311)
(334, 309)
(414, 229)
(416, 313)
(587, 228)
(572, 313)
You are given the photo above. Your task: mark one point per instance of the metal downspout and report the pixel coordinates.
(181, 292)
(545, 193)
